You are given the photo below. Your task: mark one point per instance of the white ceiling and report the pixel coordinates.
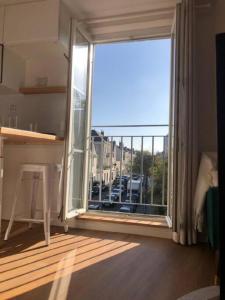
(86, 9)
(102, 8)
(119, 19)
(124, 19)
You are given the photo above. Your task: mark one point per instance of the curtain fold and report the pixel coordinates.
(185, 154)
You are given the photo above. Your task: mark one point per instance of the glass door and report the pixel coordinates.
(78, 132)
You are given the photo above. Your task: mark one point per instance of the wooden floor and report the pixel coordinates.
(88, 265)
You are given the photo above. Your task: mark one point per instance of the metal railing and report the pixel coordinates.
(128, 173)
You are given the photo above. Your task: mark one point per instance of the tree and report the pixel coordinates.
(156, 170)
(147, 163)
(160, 172)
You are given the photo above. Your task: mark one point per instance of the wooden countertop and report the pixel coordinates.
(14, 135)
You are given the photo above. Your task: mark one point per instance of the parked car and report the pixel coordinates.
(95, 190)
(108, 201)
(120, 186)
(125, 180)
(135, 185)
(117, 180)
(134, 197)
(105, 188)
(127, 208)
(136, 177)
(94, 206)
(116, 191)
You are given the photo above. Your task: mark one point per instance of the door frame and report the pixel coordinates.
(79, 26)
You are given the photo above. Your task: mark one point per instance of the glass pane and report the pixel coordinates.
(76, 177)
(79, 83)
(79, 108)
(78, 115)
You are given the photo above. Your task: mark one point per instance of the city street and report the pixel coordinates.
(115, 207)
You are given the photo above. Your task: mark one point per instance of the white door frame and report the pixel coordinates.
(78, 26)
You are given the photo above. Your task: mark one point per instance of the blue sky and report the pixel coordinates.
(131, 85)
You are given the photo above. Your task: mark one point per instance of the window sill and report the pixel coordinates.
(150, 221)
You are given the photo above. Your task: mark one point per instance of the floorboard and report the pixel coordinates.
(89, 265)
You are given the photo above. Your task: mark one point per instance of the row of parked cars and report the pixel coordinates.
(120, 188)
(115, 186)
(124, 181)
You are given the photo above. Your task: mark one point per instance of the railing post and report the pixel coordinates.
(121, 165)
(152, 175)
(101, 169)
(110, 176)
(163, 174)
(91, 168)
(142, 160)
(131, 170)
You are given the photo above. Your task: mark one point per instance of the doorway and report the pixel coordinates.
(130, 128)
(118, 161)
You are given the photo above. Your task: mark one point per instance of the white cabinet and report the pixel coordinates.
(36, 39)
(12, 70)
(37, 23)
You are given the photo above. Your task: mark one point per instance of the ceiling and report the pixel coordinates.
(101, 8)
(108, 20)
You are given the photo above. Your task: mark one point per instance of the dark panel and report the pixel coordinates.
(220, 64)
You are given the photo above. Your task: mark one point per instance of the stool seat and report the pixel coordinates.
(34, 168)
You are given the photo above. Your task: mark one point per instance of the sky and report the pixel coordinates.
(131, 86)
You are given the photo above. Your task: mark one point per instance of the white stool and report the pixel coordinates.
(40, 169)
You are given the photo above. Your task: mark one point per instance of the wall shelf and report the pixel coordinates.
(43, 90)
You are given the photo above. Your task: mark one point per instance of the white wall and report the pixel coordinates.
(48, 111)
(54, 68)
(210, 21)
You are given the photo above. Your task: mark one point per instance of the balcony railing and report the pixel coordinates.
(128, 173)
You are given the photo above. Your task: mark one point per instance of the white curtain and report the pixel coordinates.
(185, 151)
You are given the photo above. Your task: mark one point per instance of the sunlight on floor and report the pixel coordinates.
(37, 265)
(62, 278)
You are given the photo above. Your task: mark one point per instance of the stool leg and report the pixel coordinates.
(46, 207)
(66, 227)
(33, 198)
(18, 186)
(59, 196)
(49, 176)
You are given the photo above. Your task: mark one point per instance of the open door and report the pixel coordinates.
(78, 124)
